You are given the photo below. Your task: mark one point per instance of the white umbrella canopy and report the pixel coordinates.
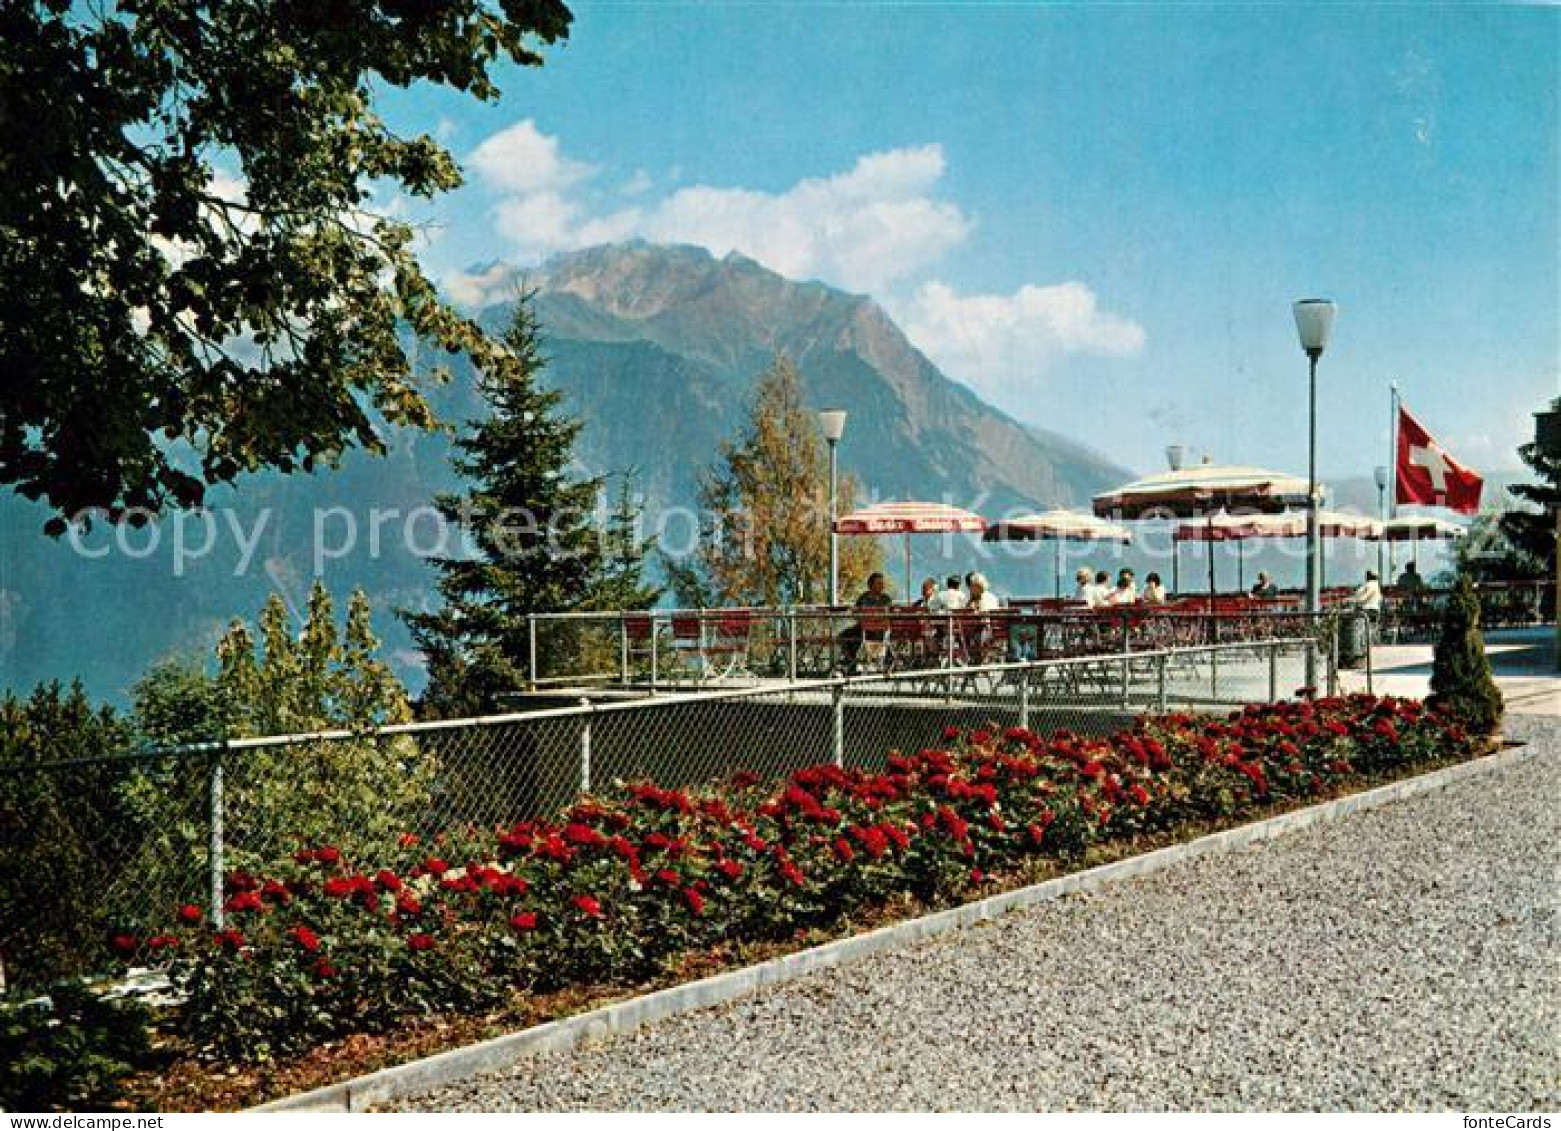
(1059, 526)
(909, 518)
(1239, 528)
(1420, 528)
(1202, 490)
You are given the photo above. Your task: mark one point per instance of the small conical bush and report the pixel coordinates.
(1461, 676)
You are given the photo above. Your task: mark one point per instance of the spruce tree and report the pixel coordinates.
(1461, 676)
(527, 524)
(621, 583)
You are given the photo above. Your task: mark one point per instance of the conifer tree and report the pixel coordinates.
(527, 524)
(1461, 676)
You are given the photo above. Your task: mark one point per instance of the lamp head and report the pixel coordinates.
(833, 421)
(1314, 324)
(1381, 474)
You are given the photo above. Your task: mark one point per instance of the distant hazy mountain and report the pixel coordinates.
(656, 349)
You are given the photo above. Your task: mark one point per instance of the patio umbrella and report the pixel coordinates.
(1418, 528)
(909, 518)
(1200, 492)
(1059, 526)
(1238, 528)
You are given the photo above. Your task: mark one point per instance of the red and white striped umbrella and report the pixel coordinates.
(909, 518)
(1059, 526)
(1239, 528)
(1291, 524)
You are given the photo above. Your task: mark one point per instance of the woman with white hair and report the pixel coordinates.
(982, 599)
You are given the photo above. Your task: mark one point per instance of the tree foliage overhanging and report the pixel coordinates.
(192, 279)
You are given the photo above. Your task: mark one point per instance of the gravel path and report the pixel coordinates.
(1401, 958)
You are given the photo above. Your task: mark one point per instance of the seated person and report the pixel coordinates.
(1100, 589)
(1264, 588)
(929, 593)
(950, 600)
(1124, 593)
(1154, 591)
(1410, 580)
(982, 599)
(1084, 580)
(875, 597)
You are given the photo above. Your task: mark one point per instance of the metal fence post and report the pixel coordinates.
(623, 649)
(1214, 674)
(1273, 673)
(585, 749)
(531, 650)
(1162, 703)
(1024, 698)
(215, 848)
(838, 698)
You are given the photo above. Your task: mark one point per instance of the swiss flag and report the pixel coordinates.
(1428, 475)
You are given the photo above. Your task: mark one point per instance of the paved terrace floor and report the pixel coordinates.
(1404, 957)
(1523, 661)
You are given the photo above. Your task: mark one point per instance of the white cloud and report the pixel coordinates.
(522, 159)
(877, 227)
(1002, 345)
(867, 228)
(485, 286)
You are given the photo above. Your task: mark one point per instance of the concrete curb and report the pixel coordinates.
(388, 1084)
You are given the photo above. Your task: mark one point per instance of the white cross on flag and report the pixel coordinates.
(1428, 475)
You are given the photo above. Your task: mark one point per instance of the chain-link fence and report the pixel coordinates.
(133, 837)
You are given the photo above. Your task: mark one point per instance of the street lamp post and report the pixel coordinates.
(833, 421)
(1381, 474)
(1314, 324)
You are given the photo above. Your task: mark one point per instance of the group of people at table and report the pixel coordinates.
(1093, 589)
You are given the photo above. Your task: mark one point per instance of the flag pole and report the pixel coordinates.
(1392, 463)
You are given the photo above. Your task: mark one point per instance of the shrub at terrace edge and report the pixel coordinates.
(623, 884)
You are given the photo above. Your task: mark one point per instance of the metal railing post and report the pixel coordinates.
(655, 651)
(585, 749)
(215, 849)
(838, 706)
(1333, 655)
(948, 635)
(1370, 641)
(1214, 674)
(1162, 702)
(1273, 673)
(623, 649)
(531, 650)
(791, 645)
(1024, 698)
(1127, 647)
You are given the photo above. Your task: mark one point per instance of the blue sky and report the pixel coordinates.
(1096, 216)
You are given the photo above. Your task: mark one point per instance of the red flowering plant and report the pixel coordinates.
(620, 886)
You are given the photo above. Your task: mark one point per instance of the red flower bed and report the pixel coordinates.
(624, 882)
